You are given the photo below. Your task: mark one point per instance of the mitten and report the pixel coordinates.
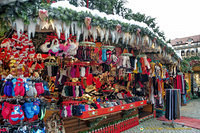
(32, 91)
(21, 114)
(39, 88)
(26, 87)
(6, 110)
(15, 113)
(28, 109)
(69, 111)
(36, 107)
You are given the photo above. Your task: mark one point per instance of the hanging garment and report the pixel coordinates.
(32, 91)
(62, 77)
(180, 83)
(155, 86)
(82, 73)
(132, 61)
(173, 103)
(39, 87)
(8, 88)
(52, 70)
(19, 88)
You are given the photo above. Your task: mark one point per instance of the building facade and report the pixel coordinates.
(189, 48)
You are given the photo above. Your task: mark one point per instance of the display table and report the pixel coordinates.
(104, 111)
(113, 119)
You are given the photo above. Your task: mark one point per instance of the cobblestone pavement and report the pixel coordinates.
(192, 109)
(155, 126)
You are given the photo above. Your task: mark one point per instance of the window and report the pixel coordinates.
(182, 53)
(192, 52)
(188, 53)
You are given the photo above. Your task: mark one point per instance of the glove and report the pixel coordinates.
(28, 109)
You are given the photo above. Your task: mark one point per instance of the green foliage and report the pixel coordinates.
(185, 66)
(118, 7)
(29, 9)
(193, 58)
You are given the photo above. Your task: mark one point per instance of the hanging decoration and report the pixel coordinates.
(73, 27)
(138, 36)
(85, 33)
(66, 29)
(94, 33)
(107, 35)
(31, 29)
(88, 22)
(78, 33)
(43, 15)
(145, 40)
(118, 33)
(68, 13)
(101, 33)
(19, 24)
(119, 28)
(153, 44)
(127, 38)
(113, 36)
(133, 36)
(58, 26)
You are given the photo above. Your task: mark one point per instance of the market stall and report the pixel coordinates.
(73, 69)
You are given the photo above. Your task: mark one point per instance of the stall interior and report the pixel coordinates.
(72, 77)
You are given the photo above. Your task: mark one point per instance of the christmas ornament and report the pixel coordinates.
(43, 15)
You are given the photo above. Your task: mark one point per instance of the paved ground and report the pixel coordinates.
(155, 126)
(192, 109)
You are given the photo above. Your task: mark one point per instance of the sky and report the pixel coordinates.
(176, 18)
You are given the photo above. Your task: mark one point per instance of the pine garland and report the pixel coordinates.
(185, 66)
(28, 10)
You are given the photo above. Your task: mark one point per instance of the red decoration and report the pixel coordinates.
(43, 14)
(119, 28)
(154, 40)
(103, 111)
